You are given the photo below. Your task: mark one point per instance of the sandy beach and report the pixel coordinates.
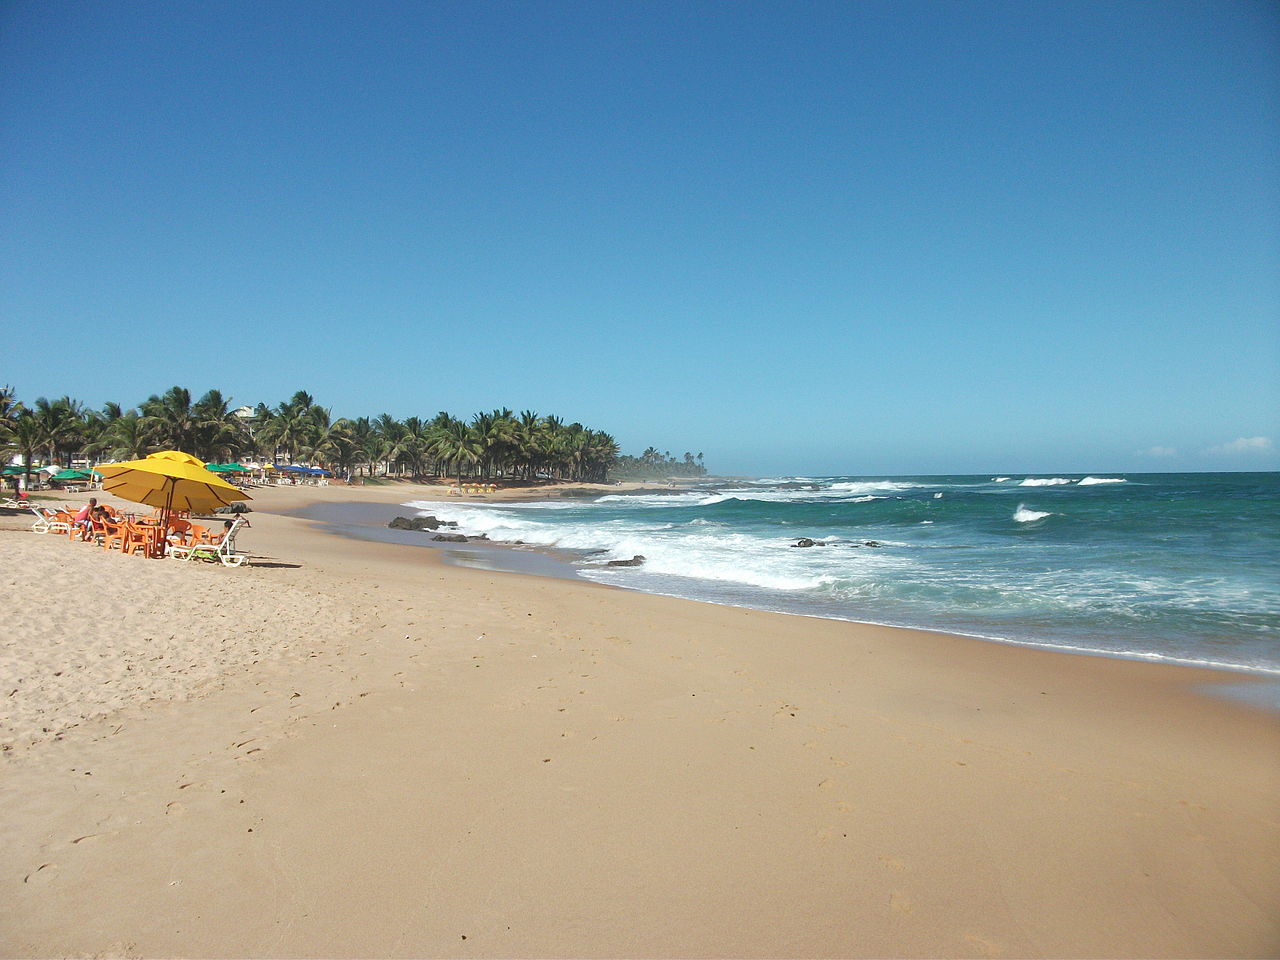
(352, 749)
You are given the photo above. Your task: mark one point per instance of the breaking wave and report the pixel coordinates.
(1024, 515)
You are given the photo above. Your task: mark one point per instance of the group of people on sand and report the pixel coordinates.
(91, 513)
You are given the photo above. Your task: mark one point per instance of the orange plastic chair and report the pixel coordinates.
(97, 529)
(113, 534)
(180, 530)
(142, 537)
(62, 521)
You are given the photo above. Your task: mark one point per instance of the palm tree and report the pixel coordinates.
(456, 443)
(170, 421)
(343, 447)
(368, 445)
(10, 410)
(125, 438)
(61, 427)
(391, 431)
(602, 454)
(27, 437)
(219, 434)
(290, 430)
(300, 401)
(495, 434)
(413, 444)
(528, 432)
(259, 446)
(330, 440)
(10, 407)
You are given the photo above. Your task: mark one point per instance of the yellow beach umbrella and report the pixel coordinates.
(171, 480)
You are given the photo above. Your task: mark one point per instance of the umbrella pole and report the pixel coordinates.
(164, 522)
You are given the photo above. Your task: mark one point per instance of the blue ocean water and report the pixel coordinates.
(1177, 567)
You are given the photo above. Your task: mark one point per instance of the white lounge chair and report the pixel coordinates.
(224, 551)
(43, 518)
(47, 521)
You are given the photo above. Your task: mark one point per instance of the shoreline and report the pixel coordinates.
(396, 757)
(1257, 687)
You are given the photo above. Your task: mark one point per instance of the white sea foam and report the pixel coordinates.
(1093, 481)
(1000, 479)
(834, 494)
(1024, 515)
(701, 550)
(1045, 482)
(874, 486)
(646, 500)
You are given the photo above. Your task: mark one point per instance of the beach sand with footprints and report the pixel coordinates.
(350, 748)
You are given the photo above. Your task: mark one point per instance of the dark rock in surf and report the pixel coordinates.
(633, 562)
(806, 542)
(419, 523)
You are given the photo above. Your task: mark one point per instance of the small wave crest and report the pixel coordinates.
(1045, 482)
(1025, 515)
(877, 486)
(1094, 481)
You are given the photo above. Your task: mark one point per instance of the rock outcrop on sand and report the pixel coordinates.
(635, 561)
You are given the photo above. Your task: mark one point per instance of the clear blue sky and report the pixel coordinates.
(849, 237)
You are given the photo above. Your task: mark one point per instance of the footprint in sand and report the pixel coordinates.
(42, 873)
(990, 947)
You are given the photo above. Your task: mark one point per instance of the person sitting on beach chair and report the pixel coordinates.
(218, 548)
(83, 519)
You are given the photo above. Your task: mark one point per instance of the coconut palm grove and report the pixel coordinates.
(498, 444)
